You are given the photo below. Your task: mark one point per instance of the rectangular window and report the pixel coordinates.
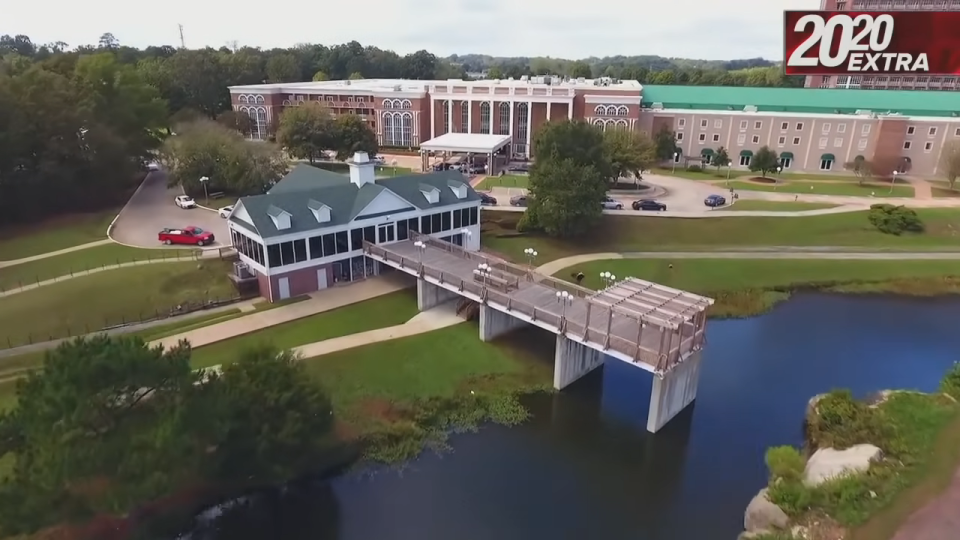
(826, 164)
(786, 162)
(474, 215)
(370, 234)
(681, 122)
(716, 137)
(258, 253)
(825, 128)
(445, 221)
(679, 137)
(300, 250)
(928, 147)
(799, 126)
(425, 222)
(862, 145)
(316, 248)
(273, 255)
(841, 128)
(823, 142)
(356, 239)
(755, 139)
(457, 221)
(932, 132)
(781, 141)
(436, 223)
(413, 224)
(703, 123)
(743, 124)
(329, 245)
(865, 130)
(784, 126)
(744, 161)
(906, 145)
(702, 137)
(796, 140)
(286, 253)
(758, 125)
(956, 133)
(343, 244)
(838, 142)
(717, 124)
(402, 230)
(911, 130)
(383, 234)
(741, 139)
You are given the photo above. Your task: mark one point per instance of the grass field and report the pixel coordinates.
(850, 189)
(749, 286)
(381, 171)
(774, 206)
(388, 310)
(712, 174)
(12, 277)
(88, 303)
(634, 233)
(507, 180)
(53, 235)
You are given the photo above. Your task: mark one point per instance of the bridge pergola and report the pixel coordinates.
(464, 143)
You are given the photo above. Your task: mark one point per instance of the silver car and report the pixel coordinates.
(612, 204)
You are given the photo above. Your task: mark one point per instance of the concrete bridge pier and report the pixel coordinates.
(673, 392)
(495, 323)
(573, 360)
(430, 295)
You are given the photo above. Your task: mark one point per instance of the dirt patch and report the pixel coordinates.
(380, 409)
(820, 527)
(760, 180)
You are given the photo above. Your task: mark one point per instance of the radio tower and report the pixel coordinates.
(183, 43)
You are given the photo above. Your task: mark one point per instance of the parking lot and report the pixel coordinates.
(152, 208)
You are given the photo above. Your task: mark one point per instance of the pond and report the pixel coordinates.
(585, 467)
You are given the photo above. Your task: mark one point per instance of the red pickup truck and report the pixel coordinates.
(187, 235)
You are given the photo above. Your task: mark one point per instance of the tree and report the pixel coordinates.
(355, 76)
(420, 65)
(237, 121)
(950, 162)
(283, 68)
(721, 158)
(320, 76)
(860, 167)
(628, 151)
(568, 181)
(764, 161)
(305, 132)
(579, 69)
(494, 73)
(351, 134)
(665, 143)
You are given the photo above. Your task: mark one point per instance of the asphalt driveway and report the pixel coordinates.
(151, 209)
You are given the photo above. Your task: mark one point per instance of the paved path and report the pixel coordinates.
(936, 520)
(55, 253)
(832, 253)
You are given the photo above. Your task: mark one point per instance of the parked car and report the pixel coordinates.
(487, 200)
(612, 204)
(519, 168)
(649, 204)
(225, 211)
(714, 201)
(379, 160)
(518, 200)
(188, 235)
(185, 201)
(153, 166)
(478, 169)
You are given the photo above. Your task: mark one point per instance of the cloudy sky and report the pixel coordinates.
(560, 28)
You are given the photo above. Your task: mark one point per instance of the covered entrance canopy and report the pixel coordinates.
(465, 143)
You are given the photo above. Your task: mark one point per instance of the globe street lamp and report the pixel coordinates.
(608, 279)
(466, 234)
(485, 271)
(206, 196)
(421, 247)
(676, 158)
(893, 182)
(531, 255)
(564, 299)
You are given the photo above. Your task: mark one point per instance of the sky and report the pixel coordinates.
(701, 29)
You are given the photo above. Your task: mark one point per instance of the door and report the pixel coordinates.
(284, 285)
(321, 279)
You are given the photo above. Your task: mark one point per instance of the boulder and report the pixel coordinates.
(763, 515)
(828, 463)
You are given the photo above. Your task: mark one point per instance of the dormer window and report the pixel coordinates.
(320, 211)
(280, 217)
(459, 189)
(431, 193)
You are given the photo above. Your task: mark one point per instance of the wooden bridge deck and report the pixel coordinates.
(634, 320)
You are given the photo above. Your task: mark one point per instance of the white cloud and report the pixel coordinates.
(558, 28)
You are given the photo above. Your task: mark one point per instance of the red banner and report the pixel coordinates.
(871, 42)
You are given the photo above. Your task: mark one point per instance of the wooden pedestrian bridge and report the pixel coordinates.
(656, 328)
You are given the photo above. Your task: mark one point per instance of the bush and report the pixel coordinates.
(951, 382)
(785, 462)
(896, 220)
(694, 168)
(840, 421)
(794, 498)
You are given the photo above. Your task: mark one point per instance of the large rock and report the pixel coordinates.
(763, 515)
(827, 463)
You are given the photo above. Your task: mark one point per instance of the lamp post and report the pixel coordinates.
(531, 255)
(564, 299)
(893, 182)
(729, 166)
(394, 164)
(485, 272)
(676, 158)
(421, 247)
(608, 279)
(466, 237)
(206, 196)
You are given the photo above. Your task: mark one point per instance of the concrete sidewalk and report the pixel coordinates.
(319, 302)
(15, 262)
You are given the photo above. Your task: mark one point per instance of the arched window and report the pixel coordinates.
(260, 99)
(406, 132)
(484, 117)
(262, 122)
(464, 117)
(622, 111)
(388, 136)
(242, 99)
(621, 124)
(387, 104)
(523, 125)
(405, 104)
(446, 117)
(286, 103)
(504, 119)
(601, 110)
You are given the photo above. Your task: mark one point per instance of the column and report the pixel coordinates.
(529, 125)
(513, 105)
(672, 392)
(430, 295)
(449, 116)
(548, 111)
(572, 361)
(433, 119)
(492, 109)
(570, 110)
(469, 105)
(495, 323)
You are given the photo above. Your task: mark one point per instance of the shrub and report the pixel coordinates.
(951, 382)
(794, 498)
(896, 220)
(840, 421)
(785, 462)
(694, 168)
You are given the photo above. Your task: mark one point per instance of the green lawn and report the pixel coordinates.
(827, 188)
(12, 277)
(53, 235)
(635, 233)
(941, 189)
(775, 206)
(381, 312)
(712, 174)
(381, 171)
(507, 180)
(744, 286)
(89, 303)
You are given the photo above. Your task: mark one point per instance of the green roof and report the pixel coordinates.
(803, 100)
(306, 186)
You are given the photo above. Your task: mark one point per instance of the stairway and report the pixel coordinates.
(467, 309)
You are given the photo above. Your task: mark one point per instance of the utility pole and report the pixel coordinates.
(183, 43)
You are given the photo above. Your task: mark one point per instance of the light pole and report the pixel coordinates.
(676, 158)
(466, 237)
(484, 270)
(531, 255)
(608, 279)
(421, 247)
(206, 196)
(893, 182)
(729, 166)
(394, 164)
(564, 299)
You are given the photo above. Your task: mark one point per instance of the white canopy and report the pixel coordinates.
(473, 143)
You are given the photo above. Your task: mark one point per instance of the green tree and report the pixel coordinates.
(305, 132)
(282, 68)
(950, 162)
(494, 73)
(665, 144)
(199, 80)
(860, 167)
(351, 134)
(628, 152)
(237, 121)
(320, 76)
(721, 158)
(355, 76)
(764, 161)
(580, 68)
(569, 179)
